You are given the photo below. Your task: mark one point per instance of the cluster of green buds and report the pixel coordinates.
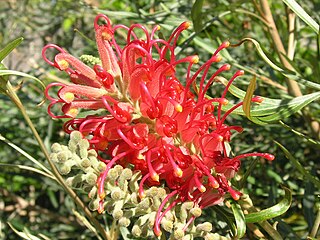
(82, 169)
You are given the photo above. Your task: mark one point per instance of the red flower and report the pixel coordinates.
(161, 125)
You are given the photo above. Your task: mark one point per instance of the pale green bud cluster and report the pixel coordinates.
(121, 188)
(90, 60)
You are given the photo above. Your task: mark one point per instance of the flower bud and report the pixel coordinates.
(117, 214)
(92, 153)
(144, 204)
(178, 234)
(206, 227)
(72, 146)
(91, 178)
(136, 231)
(85, 163)
(54, 157)
(83, 144)
(101, 167)
(112, 175)
(196, 211)
(124, 222)
(56, 147)
(94, 204)
(134, 198)
(118, 168)
(167, 225)
(92, 192)
(63, 156)
(117, 194)
(64, 169)
(75, 136)
(74, 181)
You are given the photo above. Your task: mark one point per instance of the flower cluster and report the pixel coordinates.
(81, 168)
(149, 120)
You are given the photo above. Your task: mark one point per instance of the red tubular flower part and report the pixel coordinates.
(145, 117)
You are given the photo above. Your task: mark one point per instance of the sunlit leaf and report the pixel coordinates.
(247, 98)
(240, 219)
(9, 47)
(270, 110)
(5, 72)
(25, 234)
(297, 9)
(273, 211)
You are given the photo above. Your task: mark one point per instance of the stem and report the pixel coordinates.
(293, 87)
(14, 97)
(315, 225)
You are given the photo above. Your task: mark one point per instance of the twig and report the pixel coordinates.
(293, 87)
(16, 100)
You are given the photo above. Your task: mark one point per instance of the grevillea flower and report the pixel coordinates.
(149, 118)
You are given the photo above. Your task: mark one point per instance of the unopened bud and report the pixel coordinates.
(91, 178)
(178, 234)
(84, 144)
(62, 156)
(196, 211)
(64, 169)
(117, 214)
(136, 231)
(56, 147)
(101, 167)
(206, 227)
(92, 153)
(167, 225)
(116, 194)
(94, 204)
(144, 204)
(85, 163)
(54, 157)
(124, 222)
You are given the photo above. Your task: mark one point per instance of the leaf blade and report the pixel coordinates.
(9, 48)
(273, 211)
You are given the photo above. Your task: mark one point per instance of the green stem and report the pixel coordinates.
(316, 225)
(14, 97)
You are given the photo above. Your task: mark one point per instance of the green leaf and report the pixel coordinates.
(247, 98)
(9, 47)
(273, 211)
(25, 234)
(196, 15)
(5, 72)
(240, 219)
(270, 110)
(301, 13)
(306, 174)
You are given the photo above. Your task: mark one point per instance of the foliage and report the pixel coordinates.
(33, 200)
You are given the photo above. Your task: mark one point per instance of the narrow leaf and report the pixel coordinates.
(301, 13)
(240, 219)
(9, 47)
(5, 72)
(273, 211)
(25, 234)
(306, 174)
(196, 15)
(247, 98)
(270, 110)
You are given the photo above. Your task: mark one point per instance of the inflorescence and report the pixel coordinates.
(166, 131)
